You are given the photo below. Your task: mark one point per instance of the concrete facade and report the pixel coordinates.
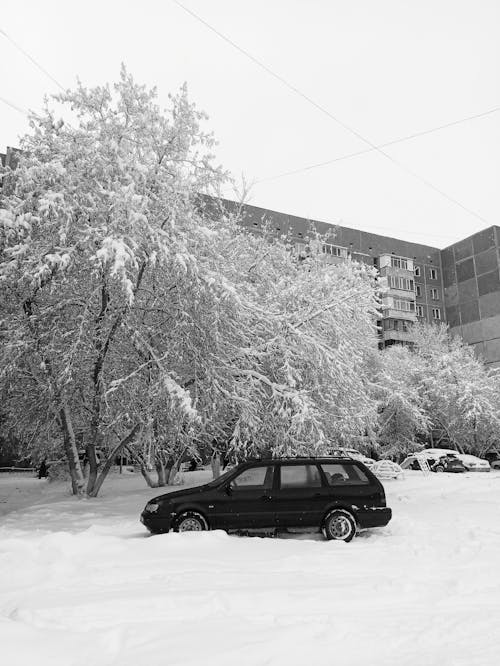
(459, 285)
(471, 278)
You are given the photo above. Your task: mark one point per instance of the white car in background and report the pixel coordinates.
(473, 463)
(354, 454)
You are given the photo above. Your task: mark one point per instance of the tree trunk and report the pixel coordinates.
(161, 472)
(147, 476)
(75, 469)
(215, 464)
(174, 470)
(92, 458)
(109, 462)
(175, 467)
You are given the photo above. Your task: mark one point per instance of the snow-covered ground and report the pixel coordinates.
(82, 584)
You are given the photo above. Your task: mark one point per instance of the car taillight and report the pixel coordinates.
(382, 496)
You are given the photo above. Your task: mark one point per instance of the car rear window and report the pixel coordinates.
(338, 474)
(300, 476)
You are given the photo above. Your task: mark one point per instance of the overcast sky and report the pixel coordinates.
(386, 69)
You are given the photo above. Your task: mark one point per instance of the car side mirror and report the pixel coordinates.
(228, 489)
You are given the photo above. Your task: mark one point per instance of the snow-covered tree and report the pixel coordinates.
(310, 336)
(402, 414)
(95, 212)
(462, 396)
(135, 320)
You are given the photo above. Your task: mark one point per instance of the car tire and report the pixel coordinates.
(190, 521)
(339, 525)
(439, 469)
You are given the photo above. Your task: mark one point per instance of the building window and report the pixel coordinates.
(418, 290)
(434, 294)
(399, 262)
(417, 271)
(436, 313)
(397, 325)
(331, 249)
(420, 310)
(405, 306)
(396, 282)
(433, 274)
(334, 250)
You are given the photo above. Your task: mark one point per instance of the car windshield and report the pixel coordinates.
(221, 478)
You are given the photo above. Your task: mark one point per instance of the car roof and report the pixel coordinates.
(299, 459)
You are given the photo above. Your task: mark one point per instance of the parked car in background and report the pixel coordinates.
(448, 463)
(474, 464)
(470, 462)
(354, 454)
(411, 462)
(337, 496)
(493, 457)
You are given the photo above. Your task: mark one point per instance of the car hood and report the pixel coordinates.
(184, 492)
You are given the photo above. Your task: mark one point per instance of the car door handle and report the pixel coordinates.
(266, 497)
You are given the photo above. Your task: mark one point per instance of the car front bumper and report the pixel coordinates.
(156, 524)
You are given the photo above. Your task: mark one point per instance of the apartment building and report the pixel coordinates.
(459, 285)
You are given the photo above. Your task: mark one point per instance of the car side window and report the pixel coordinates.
(300, 476)
(255, 477)
(338, 474)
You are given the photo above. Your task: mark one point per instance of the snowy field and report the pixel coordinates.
(82, 584)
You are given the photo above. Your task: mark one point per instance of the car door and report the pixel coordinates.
(300, 498)
(247, 500)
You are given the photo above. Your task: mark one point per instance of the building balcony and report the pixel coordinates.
(391, 313)
(396, 336)
(406, 294)
(396, 265)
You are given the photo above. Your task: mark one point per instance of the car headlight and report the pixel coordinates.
(152, 507)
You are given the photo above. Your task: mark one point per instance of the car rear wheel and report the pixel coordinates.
(440, 469)
(190, 521)
(340, 525)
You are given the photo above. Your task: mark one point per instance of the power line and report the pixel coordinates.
(408, 137)
(13, 106)
(31, 59)
(325, 111)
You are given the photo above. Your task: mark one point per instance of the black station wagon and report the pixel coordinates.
(337, 496)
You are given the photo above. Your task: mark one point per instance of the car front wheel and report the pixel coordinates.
(340, 525)
(440, 469)
(190, 521)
